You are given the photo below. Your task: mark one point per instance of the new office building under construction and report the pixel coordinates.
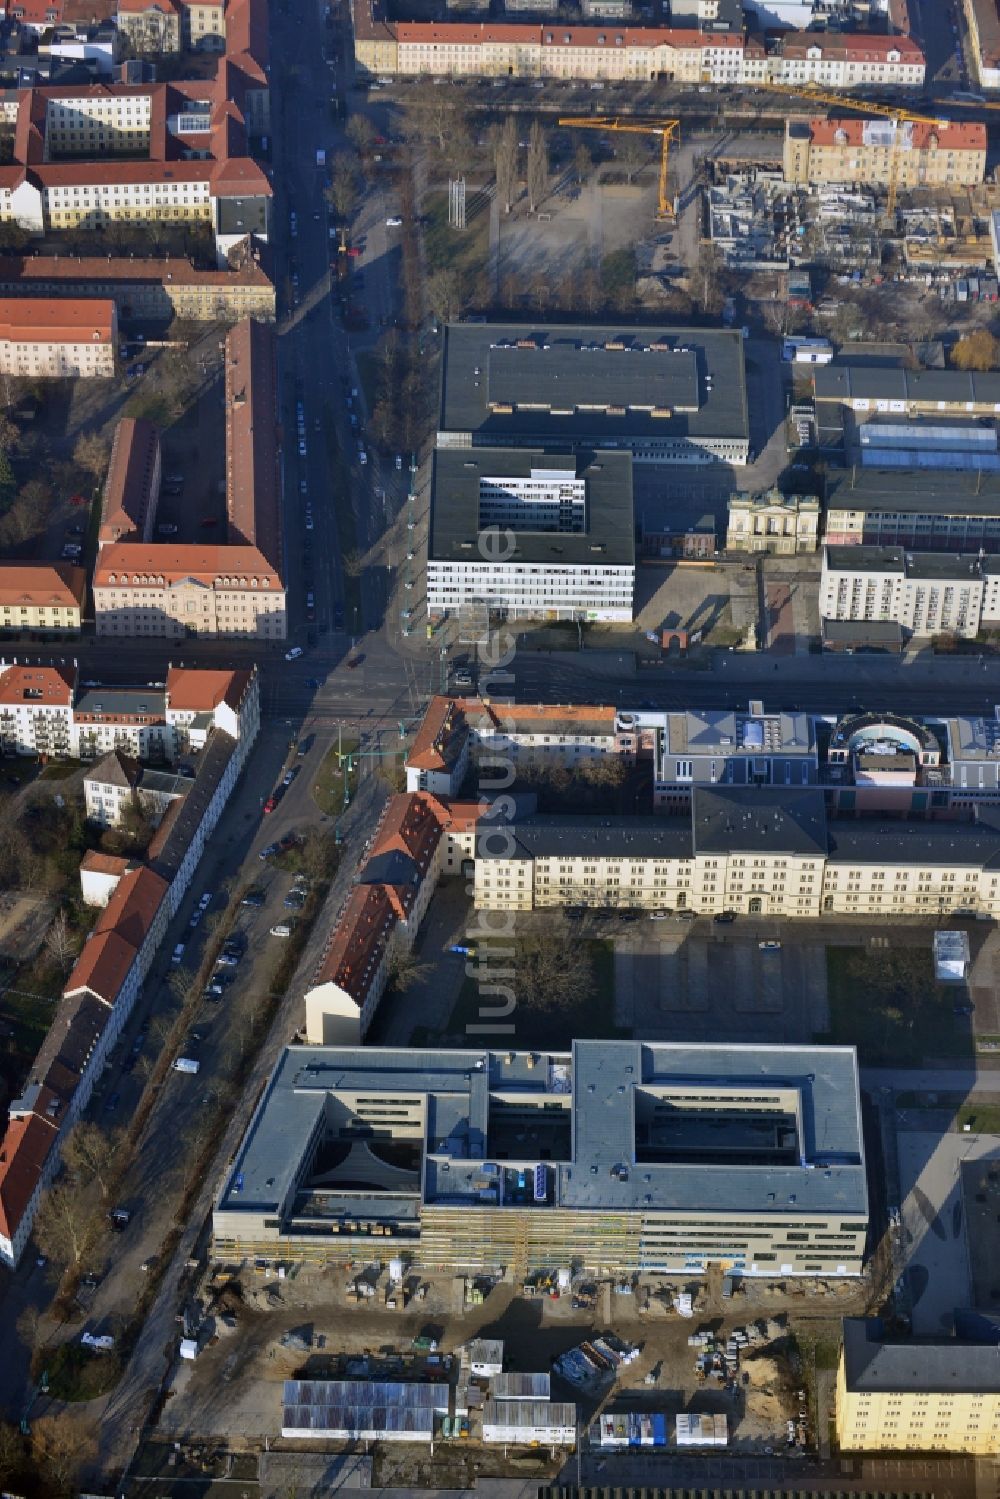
(615, 1157)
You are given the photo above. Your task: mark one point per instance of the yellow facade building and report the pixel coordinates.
(916, 1396)
(46, 596)
(946, 154)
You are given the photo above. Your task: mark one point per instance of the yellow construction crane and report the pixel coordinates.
(667, 130)
(898, 115)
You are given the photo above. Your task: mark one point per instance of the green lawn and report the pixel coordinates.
(328, 788)
(464, 251)
(888, 1005)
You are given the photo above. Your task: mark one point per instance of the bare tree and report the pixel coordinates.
(91, 1156)
(444, 293)
(9, 434)
(633, 154)
(63, 1223)
(91, 453)
(582, 163)
(59, 943)
(360, 133)
(12, 1452)
(707, 278)
(538, 166)
(342, 193)
(505, 161)
(553, 968)
(405, 968)
(63, 1445)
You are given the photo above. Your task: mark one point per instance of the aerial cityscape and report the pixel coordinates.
(500, 749)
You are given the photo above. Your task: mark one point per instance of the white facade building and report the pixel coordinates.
(926, 593)
(532, 534)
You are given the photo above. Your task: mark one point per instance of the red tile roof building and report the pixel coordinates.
(102, 988)
(132, 486)
(611, 51)
(49, 337)
(252, 477)
(178, 589)
(862, 152)
(154, 289)
(175, 150)
(46, 596)
(419, 837)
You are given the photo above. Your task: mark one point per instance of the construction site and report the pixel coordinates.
(714, 1362)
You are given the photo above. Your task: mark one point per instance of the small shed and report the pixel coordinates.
(529, 1423)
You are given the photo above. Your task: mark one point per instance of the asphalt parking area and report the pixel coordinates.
(699, 981)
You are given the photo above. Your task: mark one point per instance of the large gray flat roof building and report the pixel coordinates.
(535, 534)
(622, 1155)
(669, 395)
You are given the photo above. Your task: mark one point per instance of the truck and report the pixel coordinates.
(186, 1064)
(321, 158)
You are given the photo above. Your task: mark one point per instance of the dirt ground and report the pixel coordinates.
(24, 919)
(306, 1326)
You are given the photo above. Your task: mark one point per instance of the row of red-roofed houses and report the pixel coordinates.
(138, 903)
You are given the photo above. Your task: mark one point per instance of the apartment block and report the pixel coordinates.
(156, 289)
(176, 591)
(983, 21)
(621, 1157)
(783, 525)
(537, 535)
(866, 152)
(48, 711)
(177, 151)
(418, 839)
(665, 395)
(615, 52)
(119, 786)
(132, 485)
(926, 593)
(42, 337)
(45, 597)
(916, 1395)
(152, 27)
(138, 904)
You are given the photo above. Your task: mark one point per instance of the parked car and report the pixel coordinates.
(254, 897)
(177, 955)
(294, 653)
(283, 929)
(724, 917)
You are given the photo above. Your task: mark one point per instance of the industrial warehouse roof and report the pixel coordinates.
(600, 1082)
(946, 1366)
(609, 538)
(594, 381)
(874, 489)
(331, 1407)
(865, 382)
